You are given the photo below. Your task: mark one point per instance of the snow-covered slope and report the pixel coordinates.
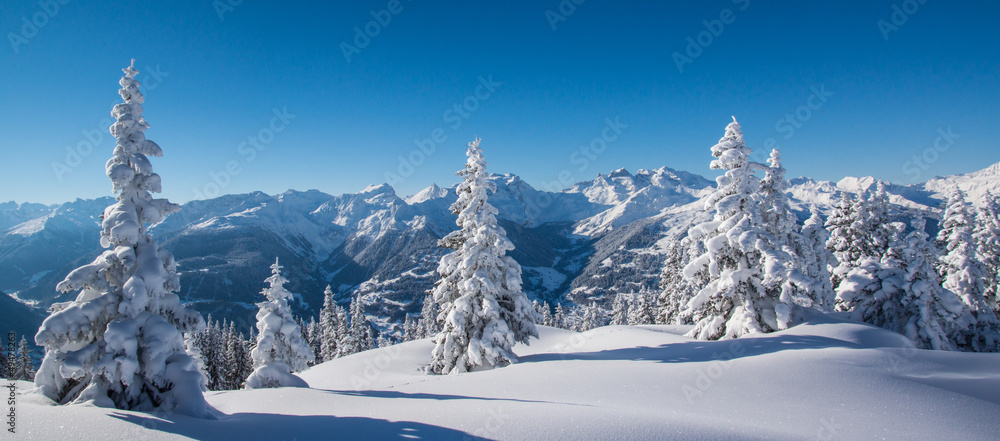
(823, 380)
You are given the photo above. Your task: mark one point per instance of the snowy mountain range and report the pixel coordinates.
(581, 244)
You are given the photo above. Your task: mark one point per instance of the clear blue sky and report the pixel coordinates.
(221, 80)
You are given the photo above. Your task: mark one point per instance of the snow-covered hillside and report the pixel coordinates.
(823, 380)
(595, 238)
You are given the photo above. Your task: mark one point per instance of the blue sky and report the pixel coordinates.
(216, 76)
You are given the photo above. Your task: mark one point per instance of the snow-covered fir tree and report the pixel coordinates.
(816, 261)
(347, 344)
(641, 311)
(485, 311)
(410, 328)
(619, 310)
(987, 235)
(315, 340)
(869, 283)
(280, 349)
(547, 319)
(676, 289)
(777, 217)
(5, 363)
(843, 243)
(559, 317)
(962, 273)
(741, 260)
(120, 342)
(428, 325)
(329, 327)
(932, 317)
(24, 368)
(359, 329)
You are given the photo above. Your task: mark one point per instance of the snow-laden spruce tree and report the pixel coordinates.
(4, 362)
(485, 311)
(559, 317)
(428, 325)
(962, 273)
(547, 319)
(329, 326)
(843, 242)
(987, 235)
(120, 343)
(676, 289)
(815, 261)
(24, 368)
(280, 350)
(740, 261)
(619, 310)
(642, 311)
(934, 318)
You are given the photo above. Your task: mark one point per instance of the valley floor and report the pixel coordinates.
(824, 380)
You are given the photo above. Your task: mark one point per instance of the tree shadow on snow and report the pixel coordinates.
(390, 394)
(700, 351)
(293, 427)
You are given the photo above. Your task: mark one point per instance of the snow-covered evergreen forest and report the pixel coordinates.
(746, 267)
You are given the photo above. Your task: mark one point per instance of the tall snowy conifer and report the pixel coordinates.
(5, 363)
(816, 261)
(328, 327)
(740, 258)
(987, 235)
(120, 342)
(24, 368)
(280, 350)
(619, 311)
(962, 272)
(485, 311)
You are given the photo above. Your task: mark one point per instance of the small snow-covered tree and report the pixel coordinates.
(933, 317)
(843, 243)
(410, 328)
(24, 368)
(485, 311)
(641, 312)
(619, 311)
(740, 261)
(315, 340)
(428, 325)
(360, 329)
(815, 262)
(987, 235)
(347, 344)
(280, 350)
(329, 326)
(120, 343)
(547, 314)
(677, 290)
(5, 363)
(559, 317)
(962, 272)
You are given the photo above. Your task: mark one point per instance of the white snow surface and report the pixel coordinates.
(826, 379)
